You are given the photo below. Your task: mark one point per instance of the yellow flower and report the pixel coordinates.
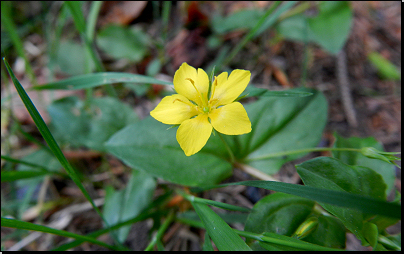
(197, 114)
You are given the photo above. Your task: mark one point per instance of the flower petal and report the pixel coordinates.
(184, 87)
(174, 109)
(228, 90)
(231, 119)
(193, 134)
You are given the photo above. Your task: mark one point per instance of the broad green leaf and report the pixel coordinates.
(244, 19)
(100, 78)
(330, 29)
(122, 42)
(221, 233)
(149, 146)
(332, 174)
(89, 126)
(129, 202)
(278, 125)
(385, 169)
(332, 26)
(279, 213)
(385, 68)
(296, 28)
(72, 58)
(11, 223)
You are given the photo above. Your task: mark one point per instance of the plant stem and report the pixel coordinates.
(161, 231)
(307, 150)
(232, 158)
(284, 242)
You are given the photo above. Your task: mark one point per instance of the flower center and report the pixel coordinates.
(206, 104)
(206, 109)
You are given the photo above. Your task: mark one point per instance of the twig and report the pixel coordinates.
(255, 172)
(346, 97)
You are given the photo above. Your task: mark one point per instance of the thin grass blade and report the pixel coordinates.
(338, 198)
(100, 78)
(43, 129)
(11, 223)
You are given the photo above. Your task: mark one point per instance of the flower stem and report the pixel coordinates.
(315, 149)
(161, 231)
(232, 158)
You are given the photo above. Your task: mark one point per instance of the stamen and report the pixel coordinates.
(186, 102)
(199, 94)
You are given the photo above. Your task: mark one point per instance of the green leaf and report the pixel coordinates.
(31, 170)
(100, 78)
(332, 26)
(244, 19)
(9, 176)
(89, 125)
(129, 202)
(121, 42)
(77, 14)
(278, 125)
(385, 68)
(279, 213)
(272, 241)
(222, 205)
(296, 28)
(385, 169)
(330, 29)
(332, 174)
(330, 232)
(207, 245)
(371, 233)
(148, 145)
(72, 60)
(221, 233)
(11, 223)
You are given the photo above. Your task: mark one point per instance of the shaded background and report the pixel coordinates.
(363, 92)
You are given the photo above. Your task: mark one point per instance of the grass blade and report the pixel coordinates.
(339, 198)
(43, 129)
(10, 176)
(11, 223)
(100, 78)
(221, 233)
(192, 198)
